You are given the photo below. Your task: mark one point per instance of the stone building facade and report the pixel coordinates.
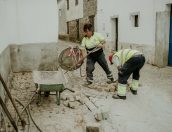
(76, 16)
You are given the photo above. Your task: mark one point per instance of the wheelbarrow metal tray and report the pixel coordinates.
(52, 87)
(49, 77)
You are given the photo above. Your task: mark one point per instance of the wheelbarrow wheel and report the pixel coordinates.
(47, 93)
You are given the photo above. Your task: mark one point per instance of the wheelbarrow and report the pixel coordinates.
(50, 81)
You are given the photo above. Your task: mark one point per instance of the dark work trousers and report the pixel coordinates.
(132, 66)
(100, 59)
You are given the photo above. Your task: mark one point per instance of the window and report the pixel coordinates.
(67, 27)
(135, 19)
(76, 2)
(60, 12)
(67, 4)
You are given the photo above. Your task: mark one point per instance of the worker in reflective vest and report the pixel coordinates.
(128, 62)
(91, 41)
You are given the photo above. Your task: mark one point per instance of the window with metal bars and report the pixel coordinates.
(76, 2)
(67, 4)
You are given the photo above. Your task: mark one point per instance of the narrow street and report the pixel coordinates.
(150, 110)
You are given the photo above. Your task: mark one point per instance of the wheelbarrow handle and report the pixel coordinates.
(12, 101)
(8, 114)
(69, 90)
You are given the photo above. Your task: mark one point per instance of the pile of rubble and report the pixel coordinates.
(103, 87)
(71, 100)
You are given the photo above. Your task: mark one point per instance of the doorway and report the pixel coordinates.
(170, 40)
(115, 33)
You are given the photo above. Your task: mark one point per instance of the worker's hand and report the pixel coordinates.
(101, 46)
(119, 68)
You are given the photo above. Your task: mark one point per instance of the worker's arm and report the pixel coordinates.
(84, 52)
(102, 44)
(101, 40)
(82, 47)
(116, 61)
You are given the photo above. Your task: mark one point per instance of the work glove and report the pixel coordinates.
(119, 69)
(110, 59)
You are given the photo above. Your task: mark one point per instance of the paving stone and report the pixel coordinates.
(74, 105)
(64, 96)
(101, 114)
(66, 103)
(71, 98)
(94, 127)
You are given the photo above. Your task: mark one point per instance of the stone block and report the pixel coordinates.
(101, 114)
(71, 98)
(73, 105)
(94, 127)
(64, 96)
(66, 103)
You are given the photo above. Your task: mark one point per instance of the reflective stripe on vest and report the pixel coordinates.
(125, 55)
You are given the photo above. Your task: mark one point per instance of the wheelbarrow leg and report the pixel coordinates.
(39, 100)
(58, 97)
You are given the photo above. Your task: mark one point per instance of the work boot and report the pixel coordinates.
(89, 82)
(47, 93)
(116, 96)
(111, 80)
(134, 86)
(133, 91)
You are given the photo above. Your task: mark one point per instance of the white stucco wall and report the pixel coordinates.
(28, 21)
(62, 17)
(7, 23)
(123, 8)
(75, 11)
(37, 21)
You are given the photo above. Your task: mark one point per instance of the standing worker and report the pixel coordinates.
(93, 40)
(128, 62)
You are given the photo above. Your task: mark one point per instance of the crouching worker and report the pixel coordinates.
(128, 62)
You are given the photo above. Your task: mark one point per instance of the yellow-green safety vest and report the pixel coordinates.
(126, 54)
(92, 42)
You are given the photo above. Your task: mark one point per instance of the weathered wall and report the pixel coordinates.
(72, 31)
(30, 57)
(90, 7)
(82, 11)
(5, 69)
(81, 26)
(75, 11)
(162, 38)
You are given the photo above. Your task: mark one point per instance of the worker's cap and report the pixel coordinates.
(111, 56)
